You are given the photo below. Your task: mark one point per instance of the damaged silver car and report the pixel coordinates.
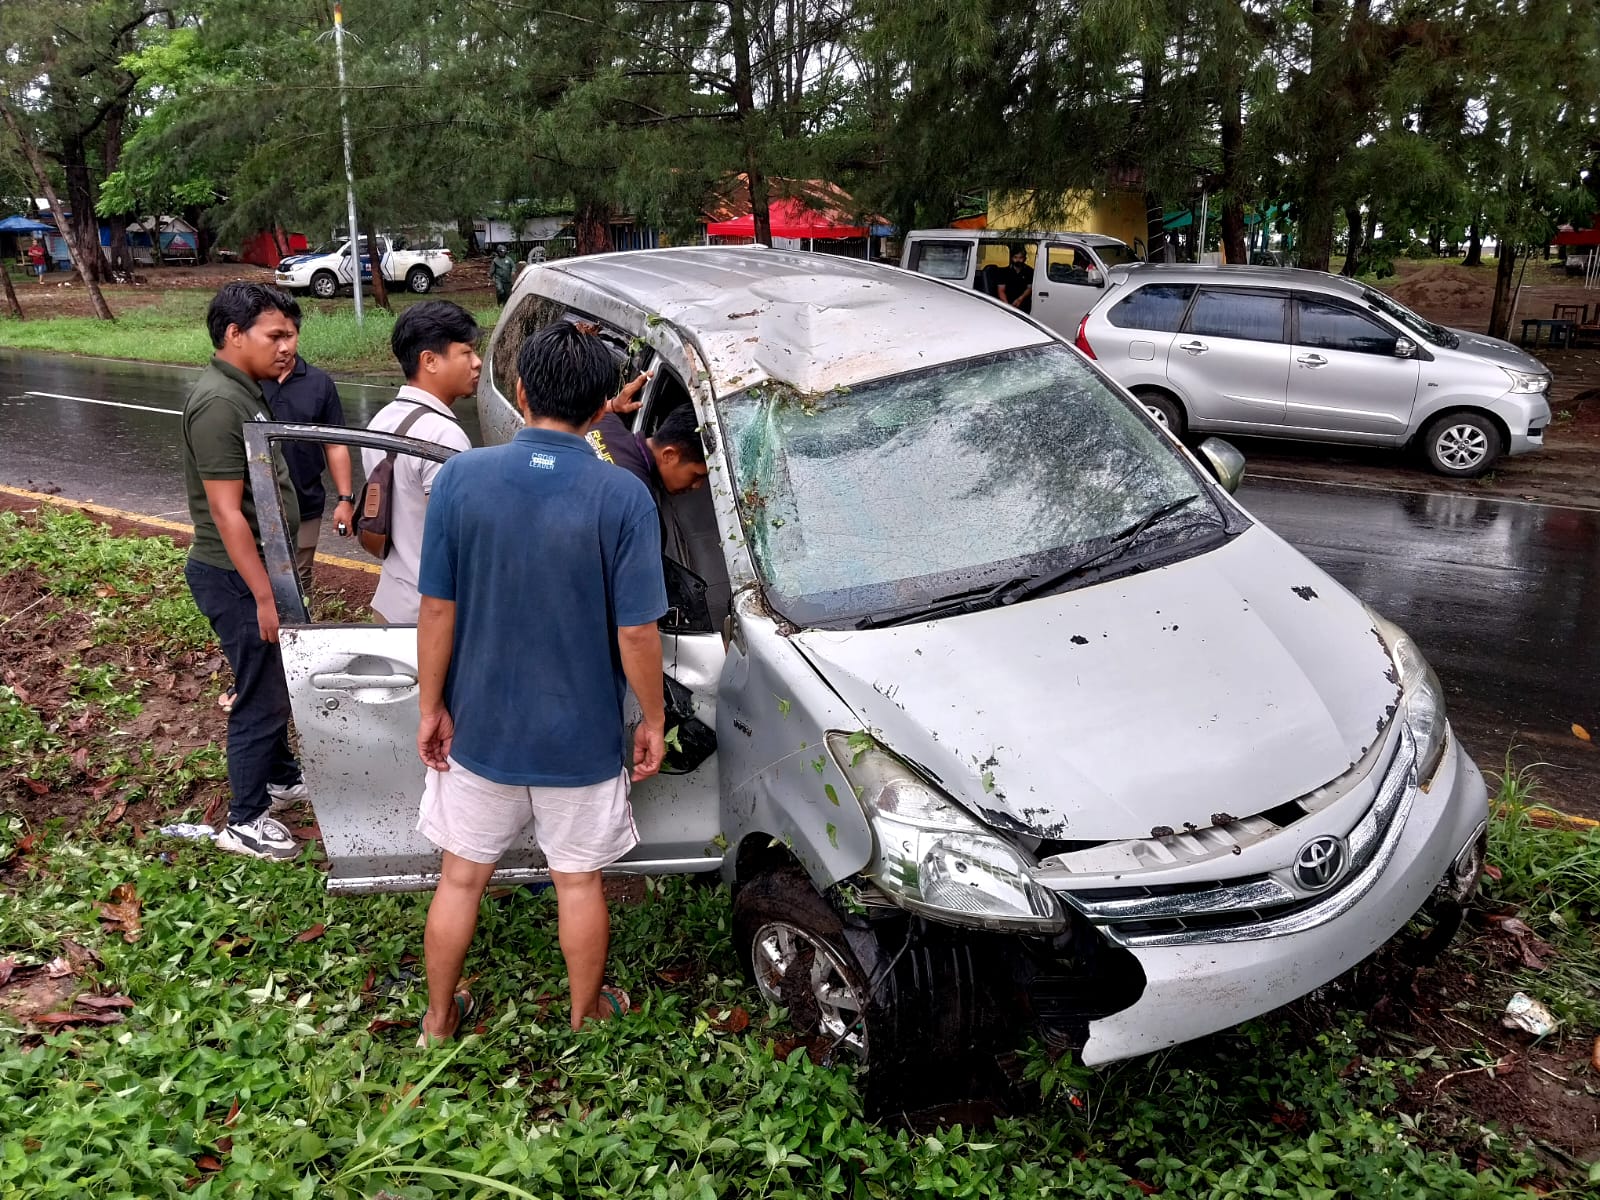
(1001, 717)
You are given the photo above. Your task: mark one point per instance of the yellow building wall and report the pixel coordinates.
(1116, 214)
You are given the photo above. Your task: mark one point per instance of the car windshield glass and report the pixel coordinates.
(1116, 255)
(1424, 328)
(894, 495)
(325, 247)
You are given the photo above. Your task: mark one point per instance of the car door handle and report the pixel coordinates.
(1042, 295)
(1312, 360)
(1194, 347)
(337, 681)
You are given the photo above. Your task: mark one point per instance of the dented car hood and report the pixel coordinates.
(1220, 686)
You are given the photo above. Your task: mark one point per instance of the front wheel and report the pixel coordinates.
(922, 1011)
(324, 286)
(419, 280)
(1462, 444)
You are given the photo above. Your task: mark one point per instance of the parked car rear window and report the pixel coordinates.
(1250, 316)
(1326, 326)
(1157, 307)
(942, 260)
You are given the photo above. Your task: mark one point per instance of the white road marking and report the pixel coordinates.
(171, 412)
(1488, 497)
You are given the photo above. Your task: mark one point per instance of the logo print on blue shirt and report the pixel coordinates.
(545, 462)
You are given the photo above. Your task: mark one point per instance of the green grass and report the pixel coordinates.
(173, 330)
(256, 1064)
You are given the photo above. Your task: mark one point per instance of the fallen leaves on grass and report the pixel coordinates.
(8, 966)
(59, 968)
(312, 934)
(121, 912)
(78, 1018)
(1532, 950)
(1582, 734)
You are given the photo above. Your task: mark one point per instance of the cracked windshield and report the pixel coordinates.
(901, 492)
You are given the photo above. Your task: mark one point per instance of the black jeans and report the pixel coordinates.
(258, 725)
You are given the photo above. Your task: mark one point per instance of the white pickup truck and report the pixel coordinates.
(328, 268)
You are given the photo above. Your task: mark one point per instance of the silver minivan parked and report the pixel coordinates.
(1274, 352)
(1065, 272)
(1001, 717)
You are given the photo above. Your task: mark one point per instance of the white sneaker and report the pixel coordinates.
(286, 796)
(261, 838)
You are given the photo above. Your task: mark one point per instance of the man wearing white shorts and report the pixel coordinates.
(540, 587)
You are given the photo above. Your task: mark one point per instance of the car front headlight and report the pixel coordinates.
(1527, 382)
(931, 857)
(1422, 696)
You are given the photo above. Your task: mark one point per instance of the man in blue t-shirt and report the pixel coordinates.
(540, 589)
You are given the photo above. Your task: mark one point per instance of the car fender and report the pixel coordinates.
(778, 779)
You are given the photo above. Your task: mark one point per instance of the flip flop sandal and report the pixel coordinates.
(618, 999)
(465, 1007)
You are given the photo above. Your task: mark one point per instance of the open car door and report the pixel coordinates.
(353, 689)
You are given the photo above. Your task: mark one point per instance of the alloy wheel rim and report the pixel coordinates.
(1158, 416)
(1462, 446)
(805, 975)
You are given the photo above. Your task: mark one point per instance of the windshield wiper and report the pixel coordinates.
(1009, 591)
(1120, 543)
(945, 606)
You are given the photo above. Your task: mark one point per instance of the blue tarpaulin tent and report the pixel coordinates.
(25, 225)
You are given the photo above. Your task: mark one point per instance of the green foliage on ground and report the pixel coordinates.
(173, 330)
(257, 1059)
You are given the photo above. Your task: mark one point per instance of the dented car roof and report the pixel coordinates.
(812, 321)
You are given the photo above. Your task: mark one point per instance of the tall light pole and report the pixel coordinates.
(349, 165)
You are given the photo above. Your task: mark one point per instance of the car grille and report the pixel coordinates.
(1257, 906)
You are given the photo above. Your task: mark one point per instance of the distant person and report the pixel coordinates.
(252, 326)
(306, 395)
(37, 259)
(1014, 284)
(541, 588)
(502, 273)
(435, 343)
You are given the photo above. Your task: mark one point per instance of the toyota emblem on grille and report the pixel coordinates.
(1320, 863)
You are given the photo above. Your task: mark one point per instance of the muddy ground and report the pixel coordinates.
(61, 295)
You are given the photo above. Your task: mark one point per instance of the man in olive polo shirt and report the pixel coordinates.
(253, 327)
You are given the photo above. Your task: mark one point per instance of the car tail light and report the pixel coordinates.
(1082, 340)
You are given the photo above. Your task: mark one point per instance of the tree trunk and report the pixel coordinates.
(744, 102)
(380, 289)
(121, 258)
(1500, 313)
(1371, 239)
(85, 228)
(1435, 238)
(467, 235)
(591, 225)
(1474, 256)
(1352, 254)
(12, 302)
(1233, 250)
(42, 175)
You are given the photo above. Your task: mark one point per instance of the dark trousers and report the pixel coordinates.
(258, 725)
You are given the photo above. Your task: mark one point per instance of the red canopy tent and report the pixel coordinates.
(1580, 237)
(791, 219)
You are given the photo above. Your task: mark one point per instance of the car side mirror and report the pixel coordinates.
(688, 610)
(1224, 462)
(1404, 348)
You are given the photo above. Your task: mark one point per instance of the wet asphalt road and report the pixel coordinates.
(1504, 597)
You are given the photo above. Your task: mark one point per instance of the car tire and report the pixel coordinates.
(1163, 409)
(918, 1016)
(419, 280)
(1462, 445)
(324, 285)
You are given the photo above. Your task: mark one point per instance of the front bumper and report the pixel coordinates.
(1526, 418)
(1198, 988)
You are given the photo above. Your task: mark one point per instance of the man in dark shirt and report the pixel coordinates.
(670, 461)
(306, 395)
(1015, 283)
(252, 327)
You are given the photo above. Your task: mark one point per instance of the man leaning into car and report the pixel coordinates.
(540, 591)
